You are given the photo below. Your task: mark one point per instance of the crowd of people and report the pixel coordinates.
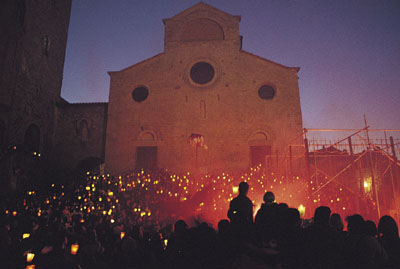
(101, 224)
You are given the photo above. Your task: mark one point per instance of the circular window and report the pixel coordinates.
(140, 94)
(202, 73)
(266, 92)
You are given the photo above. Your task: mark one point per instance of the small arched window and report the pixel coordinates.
(83, 130)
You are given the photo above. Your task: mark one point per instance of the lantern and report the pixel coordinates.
(26, 235)
(235, 189)
(74, 249)
(29, 257)
(302, 210)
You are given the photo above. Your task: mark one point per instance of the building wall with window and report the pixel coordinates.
(204, 103)
(33, 37)
(80, 134)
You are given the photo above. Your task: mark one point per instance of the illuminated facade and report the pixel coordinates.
(203, 103)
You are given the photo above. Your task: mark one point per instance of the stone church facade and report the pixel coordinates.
(203, 103)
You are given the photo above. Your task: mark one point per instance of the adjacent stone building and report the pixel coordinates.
(33, 37)
(204, 103)
(40, 133)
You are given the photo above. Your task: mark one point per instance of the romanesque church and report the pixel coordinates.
(202, 104)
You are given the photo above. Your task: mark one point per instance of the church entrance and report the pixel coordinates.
(146, 158)
(258, 155)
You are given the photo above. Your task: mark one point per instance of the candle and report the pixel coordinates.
(26, 235)
(74, 249)
(30, 256)
(302, 210)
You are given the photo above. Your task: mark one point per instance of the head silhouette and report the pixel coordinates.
(336, 222)
(243, 188)
(322, 215)
(223, 226)
(387, 227)
(355, 224)
(180, 226)
(269, 197)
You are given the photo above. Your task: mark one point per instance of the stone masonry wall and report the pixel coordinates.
(80, 133)
(227, 111)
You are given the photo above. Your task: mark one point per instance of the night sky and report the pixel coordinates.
(348, 51)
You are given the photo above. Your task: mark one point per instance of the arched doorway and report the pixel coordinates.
(259, 149)
(146, 153)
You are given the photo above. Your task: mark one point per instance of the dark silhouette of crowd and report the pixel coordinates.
(277, 238)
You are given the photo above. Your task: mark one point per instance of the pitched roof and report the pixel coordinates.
(201, 6)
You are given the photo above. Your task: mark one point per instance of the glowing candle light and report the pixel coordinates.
(122, 235)
(30, 266)
(302, 210)
(26, 235)
(74, 249)
(29, 257)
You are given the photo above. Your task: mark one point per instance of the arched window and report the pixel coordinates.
(32, 138)
(83, 130)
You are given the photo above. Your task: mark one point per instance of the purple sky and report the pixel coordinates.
(348, 50)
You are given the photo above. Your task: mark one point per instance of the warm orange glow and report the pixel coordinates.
(302, 210)
(30, 266)
(74, 249)
(29, 257)
(122, 235)
(26, 235)
(235, 189)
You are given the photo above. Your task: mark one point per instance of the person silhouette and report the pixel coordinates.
(241, 208)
